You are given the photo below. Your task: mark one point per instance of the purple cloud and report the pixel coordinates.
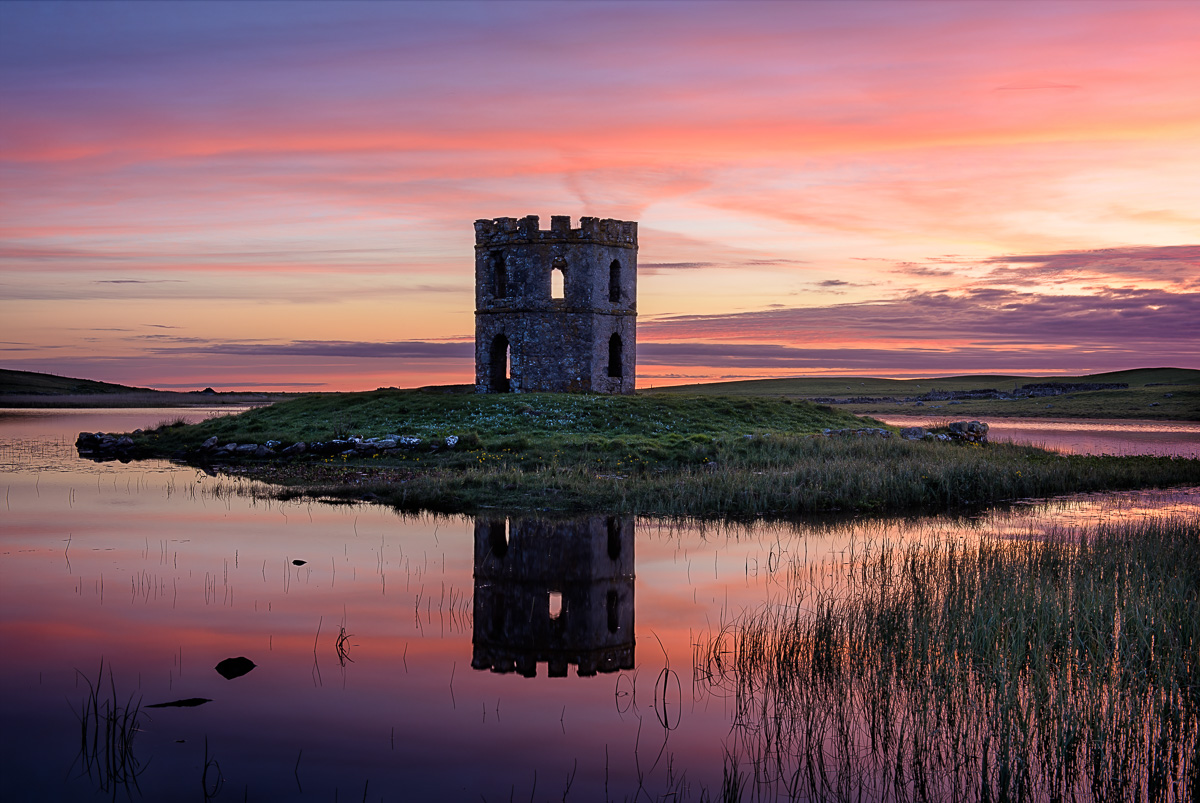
(1116, 318)
(1170, 263)
(400, 350)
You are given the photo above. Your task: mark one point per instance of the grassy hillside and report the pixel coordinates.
(665, 454)
(32, 383)
(557, 419)
(1153, 393)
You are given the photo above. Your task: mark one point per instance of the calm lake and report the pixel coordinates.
(1084, 435)
(395, 657)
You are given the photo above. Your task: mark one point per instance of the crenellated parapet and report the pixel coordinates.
(503, 231)
(556, 309)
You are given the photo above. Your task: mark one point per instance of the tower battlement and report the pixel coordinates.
(555, 310)
(515, 231)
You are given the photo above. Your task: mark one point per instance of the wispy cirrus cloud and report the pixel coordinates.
(1114, 318)
(396, 350)
(1175, 264)
(777, 360)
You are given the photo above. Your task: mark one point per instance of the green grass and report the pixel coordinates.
(670, 455)
(1145, 398)
(1056, 668)
(557, 420)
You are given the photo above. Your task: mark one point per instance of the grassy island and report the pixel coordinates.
(655, 454)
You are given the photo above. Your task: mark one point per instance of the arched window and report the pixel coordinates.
(499, 365)
(614, 281)
(558, 282)
(614, 356)
(499, 276)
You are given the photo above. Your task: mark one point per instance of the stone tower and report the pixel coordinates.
(555, 311)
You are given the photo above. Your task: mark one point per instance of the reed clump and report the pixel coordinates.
(739, 477)
(1061, 668)
(108, 726)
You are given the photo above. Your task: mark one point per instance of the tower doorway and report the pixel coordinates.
(500, 362)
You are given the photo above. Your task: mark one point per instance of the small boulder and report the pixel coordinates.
(232, 668)
(970, 431)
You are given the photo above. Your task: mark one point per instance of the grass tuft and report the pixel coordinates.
(1050, 669)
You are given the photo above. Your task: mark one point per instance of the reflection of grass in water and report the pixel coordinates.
(107, 728)
(1043, 669)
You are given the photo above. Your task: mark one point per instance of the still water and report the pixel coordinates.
(1084, 435)
(395, 657)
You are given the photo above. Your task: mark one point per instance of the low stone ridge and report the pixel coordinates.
(967, 431)
(103, 447)
(865, 432)
(1034, 390)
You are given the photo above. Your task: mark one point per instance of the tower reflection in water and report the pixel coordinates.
(558, 592)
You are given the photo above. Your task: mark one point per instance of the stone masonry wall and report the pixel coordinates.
(555, 344)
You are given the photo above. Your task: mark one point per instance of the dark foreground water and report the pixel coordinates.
(395, 658)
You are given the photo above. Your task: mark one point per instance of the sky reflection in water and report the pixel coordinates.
(162, 572)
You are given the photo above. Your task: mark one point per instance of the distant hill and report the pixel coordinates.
(32, 383)
(844, 386)
(29, 389)
(1151, 393)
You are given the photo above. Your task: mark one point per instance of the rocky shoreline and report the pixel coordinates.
(103, 447)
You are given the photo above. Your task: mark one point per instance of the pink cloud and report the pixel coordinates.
(823, 142)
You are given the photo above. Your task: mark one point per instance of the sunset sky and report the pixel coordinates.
(281, 195)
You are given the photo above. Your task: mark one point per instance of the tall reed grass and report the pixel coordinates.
(779, 475)
(1065, 668)
(107, 729)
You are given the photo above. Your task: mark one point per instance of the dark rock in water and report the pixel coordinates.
(101, 447)
(190, 702)
(299, 562)
(298, 447)
(232, 668)
(211, 443)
